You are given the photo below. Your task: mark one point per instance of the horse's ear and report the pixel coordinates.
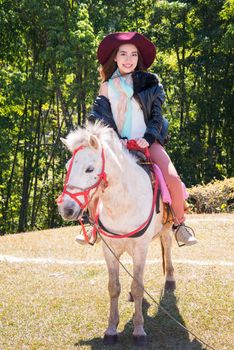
(64, 141)
(93, 142)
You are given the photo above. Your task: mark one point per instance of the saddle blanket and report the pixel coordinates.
(166, 197)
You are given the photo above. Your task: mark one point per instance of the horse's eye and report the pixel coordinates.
(89, 169)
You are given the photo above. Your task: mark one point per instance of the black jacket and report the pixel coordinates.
(150, 95)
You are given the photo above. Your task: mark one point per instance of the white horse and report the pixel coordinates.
(102, 168)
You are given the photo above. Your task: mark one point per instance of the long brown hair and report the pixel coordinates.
(110, 66)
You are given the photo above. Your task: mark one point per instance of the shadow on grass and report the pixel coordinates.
(163, 333)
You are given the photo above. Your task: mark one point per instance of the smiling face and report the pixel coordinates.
(126, 58)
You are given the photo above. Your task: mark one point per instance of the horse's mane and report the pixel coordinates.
(81, 135)
(105, 135)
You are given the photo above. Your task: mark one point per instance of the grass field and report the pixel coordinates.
(61, 303)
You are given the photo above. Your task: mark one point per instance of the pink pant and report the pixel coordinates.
(160, 157)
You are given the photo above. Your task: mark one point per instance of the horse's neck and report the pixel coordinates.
(129, 194)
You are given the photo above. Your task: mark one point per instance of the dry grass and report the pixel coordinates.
(66, 307)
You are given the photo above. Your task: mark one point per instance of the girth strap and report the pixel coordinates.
(135, 235)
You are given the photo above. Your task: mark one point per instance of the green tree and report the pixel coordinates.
(196, 70)
(49, 79)
(47, 87)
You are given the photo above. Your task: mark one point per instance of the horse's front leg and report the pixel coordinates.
(166, 242)
(137, 291)
(111, 335)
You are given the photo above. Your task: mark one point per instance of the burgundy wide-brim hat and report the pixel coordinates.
(114, 40)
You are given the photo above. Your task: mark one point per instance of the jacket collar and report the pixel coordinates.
(143, 81)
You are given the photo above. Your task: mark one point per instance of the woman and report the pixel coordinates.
(130, 101)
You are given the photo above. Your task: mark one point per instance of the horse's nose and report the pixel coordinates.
(68, 212)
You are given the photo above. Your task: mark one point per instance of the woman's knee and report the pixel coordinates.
(173, 182)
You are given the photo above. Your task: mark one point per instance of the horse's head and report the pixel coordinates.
(85, 173)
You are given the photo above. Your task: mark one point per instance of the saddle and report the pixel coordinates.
(143, 160)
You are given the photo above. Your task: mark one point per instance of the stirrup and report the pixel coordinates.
(189, 230)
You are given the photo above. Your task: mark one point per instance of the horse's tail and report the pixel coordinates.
(163, 258)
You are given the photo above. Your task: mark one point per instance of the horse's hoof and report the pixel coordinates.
(110, 339)
(170, 286)
(130, 297)
(140, 340)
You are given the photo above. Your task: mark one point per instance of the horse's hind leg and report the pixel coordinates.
(166, 243)
(110, 337)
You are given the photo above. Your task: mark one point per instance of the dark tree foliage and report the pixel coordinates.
(49, 79)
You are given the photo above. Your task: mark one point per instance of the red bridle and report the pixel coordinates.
(84, 192)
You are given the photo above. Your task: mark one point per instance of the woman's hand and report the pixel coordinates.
(142, 143)
(124, 142)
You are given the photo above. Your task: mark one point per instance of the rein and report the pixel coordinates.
(133, 234)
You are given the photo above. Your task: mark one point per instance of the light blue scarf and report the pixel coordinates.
(124, 94)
